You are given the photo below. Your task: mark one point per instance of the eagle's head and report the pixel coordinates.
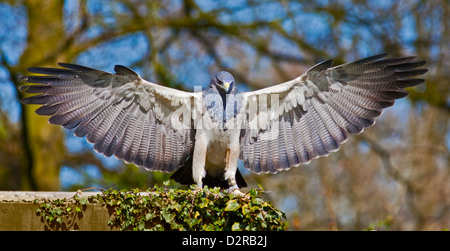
(223, 81)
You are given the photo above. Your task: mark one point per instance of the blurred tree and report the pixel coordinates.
(396, 170)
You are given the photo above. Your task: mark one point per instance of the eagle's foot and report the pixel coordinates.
(197, 190)
(235, 191)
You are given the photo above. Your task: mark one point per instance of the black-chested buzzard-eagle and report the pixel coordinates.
(201, 135)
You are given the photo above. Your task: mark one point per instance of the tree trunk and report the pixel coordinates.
(45, 33)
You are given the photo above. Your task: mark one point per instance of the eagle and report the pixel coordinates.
(201, 135)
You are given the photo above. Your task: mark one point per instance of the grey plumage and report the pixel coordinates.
(99, 106)
(201, 135)
(337, 101)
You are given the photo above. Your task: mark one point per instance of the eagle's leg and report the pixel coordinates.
(198, 161)
(231, 168)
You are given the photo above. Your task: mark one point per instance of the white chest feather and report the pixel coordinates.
(219, 141)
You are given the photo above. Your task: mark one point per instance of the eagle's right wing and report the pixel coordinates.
(121, 114)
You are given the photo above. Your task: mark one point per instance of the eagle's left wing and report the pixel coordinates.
(291, 123)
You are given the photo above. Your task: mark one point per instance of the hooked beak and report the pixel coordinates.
(227, 86)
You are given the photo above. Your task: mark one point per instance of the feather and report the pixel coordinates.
(47, 80)
(256, 163)
(106, 119)
(60, 73)
(289, 141)
(357, 116)
(88, 115)
(150, 160)
(79, 68)
(282, 144)
(365, 60)
(89, 127)
(321, 66)
(264, 140)
(313, 121)
(166, 153)
(403, 83)
(116, 142)
(306, 137)
(332, 129)
(362, 107)
(50, 89)
(63, 101)
(136, 141)
(249, 151)
(160, 145)
(383, 98)
(126, 133)
(324, 124)
(69, 119)
(111, 127)
(143, 147)
(264, 159)
(300, 150)
(174, 161)
(125, 71)
(274, 160)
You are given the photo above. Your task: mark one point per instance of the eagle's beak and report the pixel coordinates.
(227, 86)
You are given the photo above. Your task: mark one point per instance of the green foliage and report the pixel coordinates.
(60, 214)
(159, 208)
(176, 209)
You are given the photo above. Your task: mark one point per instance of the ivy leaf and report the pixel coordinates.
(141, 226)
(168, 217)
(232, 205)
(149, 216)
(245, 209)
(192, 222)
(203, 204)
(257, 201)
(178, 207)
(84, 201)
(236, 227)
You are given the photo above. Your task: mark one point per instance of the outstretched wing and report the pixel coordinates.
(308, 117)
(122, 114)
